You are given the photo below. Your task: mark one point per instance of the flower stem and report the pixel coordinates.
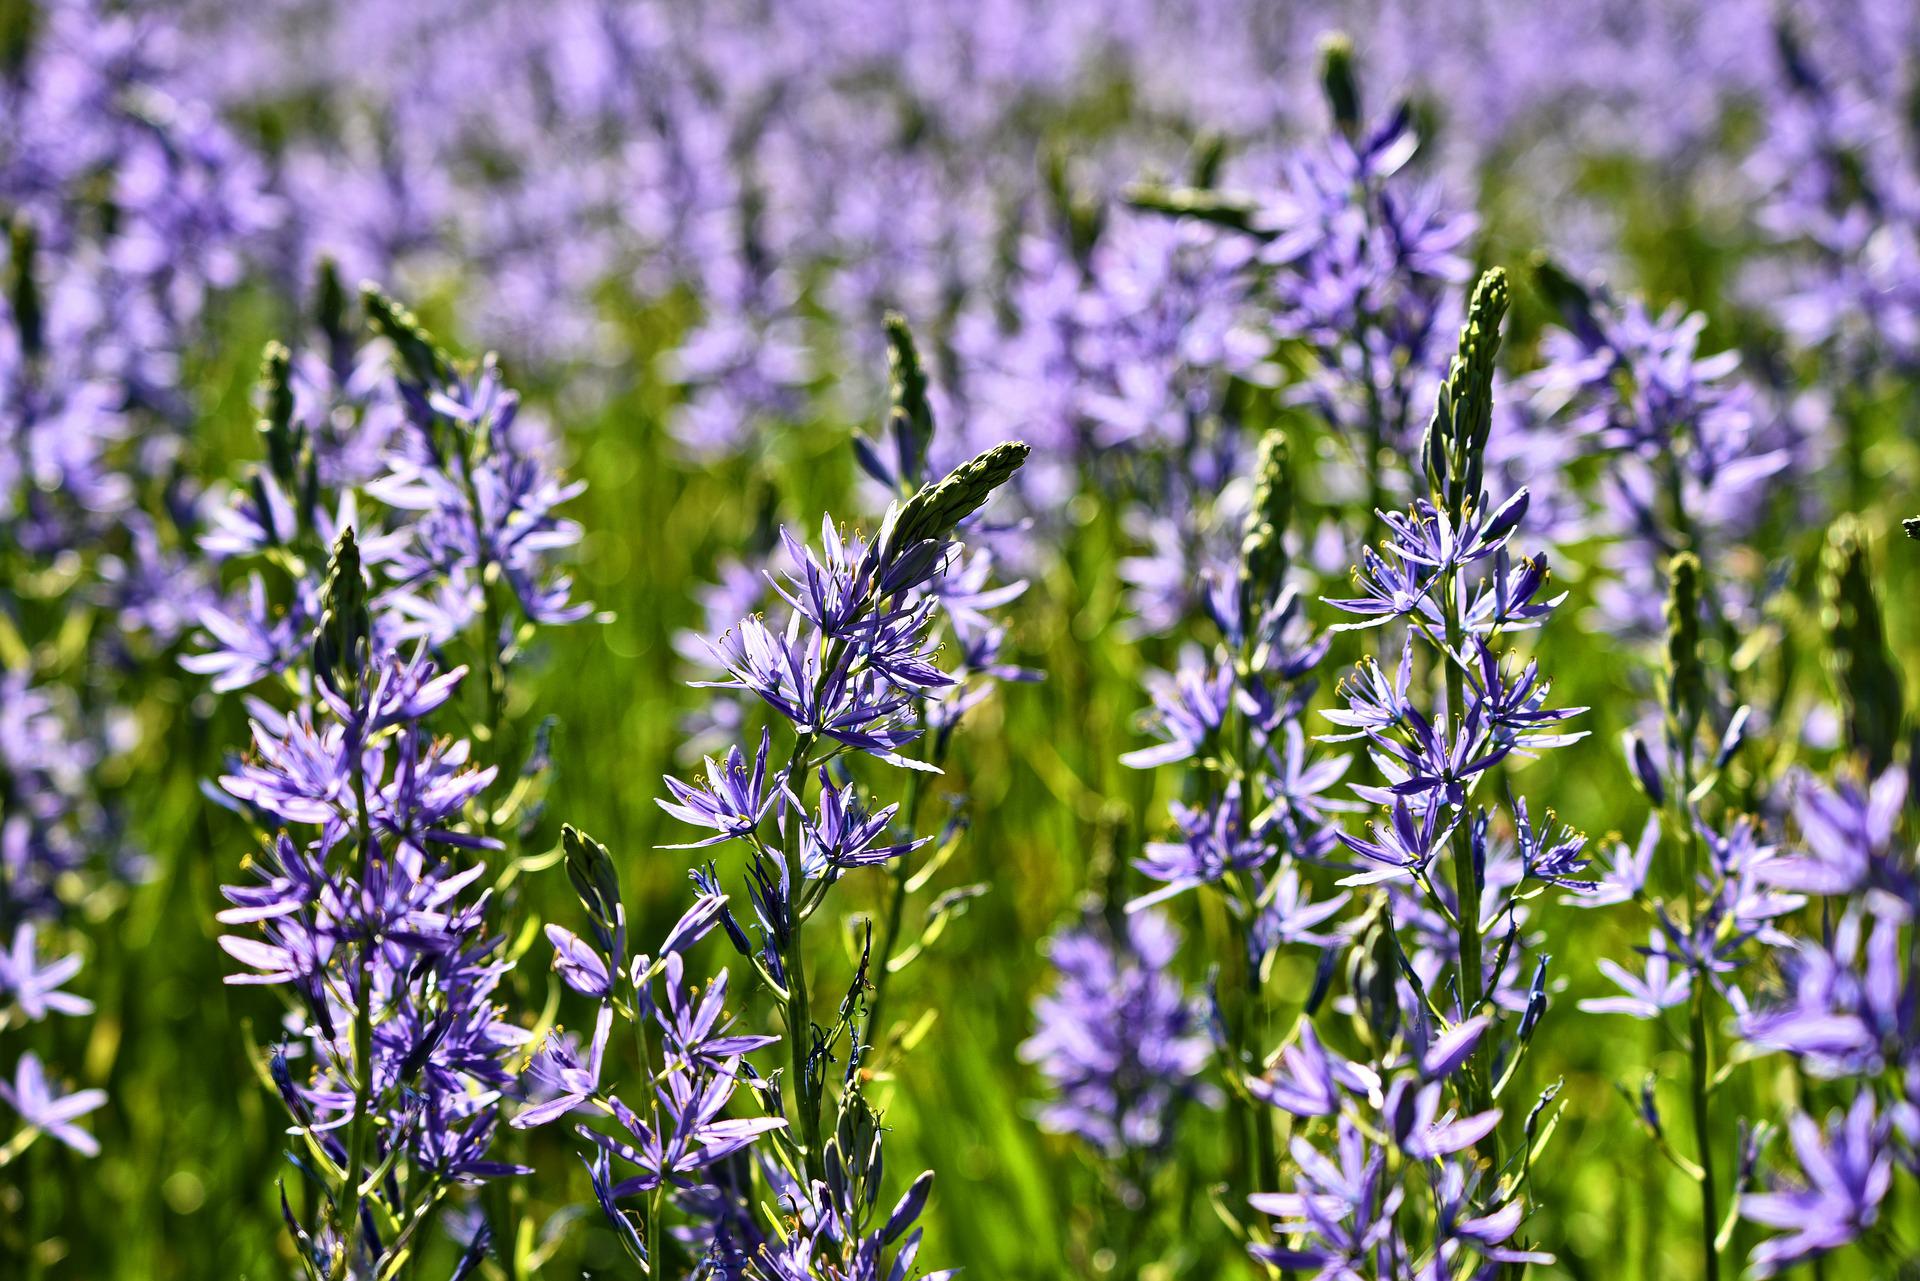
(349, 1201)
(1703, 1130)
(793, 961)
(1466, 877)
(897, 900)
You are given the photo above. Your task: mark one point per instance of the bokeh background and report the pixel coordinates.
(679, 224)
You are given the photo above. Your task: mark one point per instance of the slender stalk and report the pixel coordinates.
(1466, 877)
(897, 898)
(793, 960)
(1699, 1048)
(362, 1047)
(1703, 1130)
(656, 1206)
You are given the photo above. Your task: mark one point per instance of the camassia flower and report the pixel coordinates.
(1119, 1040)
(1848, 1171)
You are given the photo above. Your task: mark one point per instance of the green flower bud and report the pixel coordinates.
(1864, 674)
(1337, 79)
(1263, 550)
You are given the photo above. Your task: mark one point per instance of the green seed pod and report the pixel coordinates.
(597, 883)
(1373, 977)
(1864, 674)
(1263, 549)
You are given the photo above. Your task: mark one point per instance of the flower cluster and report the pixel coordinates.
(367, 904)
(1120, 1042)
(1438, 980)
(1693, 455)
(851, 671)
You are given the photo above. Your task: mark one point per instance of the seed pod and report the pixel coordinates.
(597, 883)
(1373, 976)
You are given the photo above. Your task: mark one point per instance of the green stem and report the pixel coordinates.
(1699, 1050)
(656, 1207)
(1703, 1130)
(793, 960)
(349, 1199)
(897, 900)
(1466, 877)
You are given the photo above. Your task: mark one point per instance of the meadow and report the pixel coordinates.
(1272, 641)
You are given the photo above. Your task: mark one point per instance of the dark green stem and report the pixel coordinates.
(896, 903)
(349, 1200)
(1703, 1130)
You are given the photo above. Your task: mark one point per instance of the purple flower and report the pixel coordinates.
(845, 835)
(1846, 1010)
(556, 1071)
(1848, 838)
(1663, 987)
(1119, 1042)
(580, 967)
(1288, 915)
(1419, 1128)
(46, 1111)
(1188, 708)
(696, 1034)
(36, 988)
(1402, 848)
(732, 802)
(696, 1135)
(1342, 1209)
(1628, 866)
(1554, 854)
(1216, 840)
(1309, 1080)
(1847, 1173)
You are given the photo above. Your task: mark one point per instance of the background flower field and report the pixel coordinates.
(1150, 241)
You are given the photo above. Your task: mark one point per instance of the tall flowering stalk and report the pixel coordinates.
(852, 672)
(1256, 810)
(1360, 263)
(1789, 938)
(965, 593)
(378, 826)
(1437, 981)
